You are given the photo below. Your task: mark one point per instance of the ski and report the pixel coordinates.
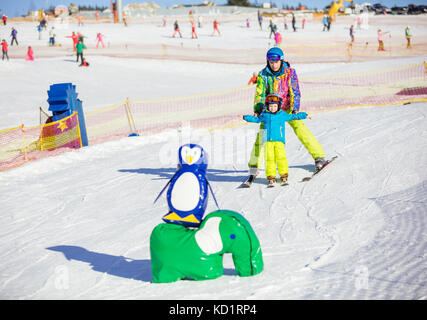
(248, 182)
(318, 171)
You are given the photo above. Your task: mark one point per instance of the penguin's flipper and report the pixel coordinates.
(213, 196)
(163, 190)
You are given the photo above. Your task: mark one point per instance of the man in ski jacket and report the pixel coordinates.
(278, 77)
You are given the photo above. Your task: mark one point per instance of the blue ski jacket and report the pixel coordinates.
(274, 123)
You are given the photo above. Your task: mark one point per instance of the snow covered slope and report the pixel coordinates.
(77, 226)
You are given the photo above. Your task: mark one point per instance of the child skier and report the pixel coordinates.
(380, 40)
(274, 119)
(4, 49)
(176, 29)
(215, 27)
(193, 30)
(99, 39)
(79, 50)
(30, 54)
(408, 37)
(75, 40)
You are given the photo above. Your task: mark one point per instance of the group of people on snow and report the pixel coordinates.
(176, 29)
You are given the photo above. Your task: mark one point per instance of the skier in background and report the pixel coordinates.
(193, 30)
(84, 63)
(352, 33)
(294, 23)
(4, 18)
(380, 39)
(74, 38)
(79, 50)
(13, 34)
(278, 77)
(215, 27)
(99, 39)
(278, 39)
(30, 54)
(408, 37)
(260, 19)
(4, 49)
(176, 29)
(253, 79)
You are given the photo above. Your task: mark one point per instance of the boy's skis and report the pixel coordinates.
(250, 180)
(318, 171)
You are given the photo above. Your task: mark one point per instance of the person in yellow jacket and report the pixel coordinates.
(278, 77)
(274, 119)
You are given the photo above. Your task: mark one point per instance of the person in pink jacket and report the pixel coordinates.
(278, 39)
(30, 54)
(99, 40)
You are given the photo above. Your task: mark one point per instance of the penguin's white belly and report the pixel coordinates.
(185, 194)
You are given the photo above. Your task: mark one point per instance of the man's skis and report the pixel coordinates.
(318, 171)
(248, 182)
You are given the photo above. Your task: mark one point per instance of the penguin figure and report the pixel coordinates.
(187, 195)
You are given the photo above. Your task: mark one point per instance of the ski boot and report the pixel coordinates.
(284, 179)
(271, 181)
(319, 163)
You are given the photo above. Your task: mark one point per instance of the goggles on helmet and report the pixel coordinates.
(273, 98)
(273, 57)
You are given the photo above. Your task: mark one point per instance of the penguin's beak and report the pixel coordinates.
(189, 159)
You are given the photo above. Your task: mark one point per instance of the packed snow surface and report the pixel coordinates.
(77, 226)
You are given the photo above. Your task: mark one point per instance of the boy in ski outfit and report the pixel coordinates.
(273, 137)
(278, 77)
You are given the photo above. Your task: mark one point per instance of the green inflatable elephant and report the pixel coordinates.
(178, 252)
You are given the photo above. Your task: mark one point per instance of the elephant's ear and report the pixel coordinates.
(208, 238)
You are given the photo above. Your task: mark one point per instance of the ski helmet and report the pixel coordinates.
(273, 98)
(275, 54)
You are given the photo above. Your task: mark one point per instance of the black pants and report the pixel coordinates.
(81, 57)
(14, 39)
(5, 55)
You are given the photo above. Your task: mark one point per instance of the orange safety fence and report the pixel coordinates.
(323, 92)
(23, 144)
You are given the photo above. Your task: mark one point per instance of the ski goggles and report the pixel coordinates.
(274, 57)
(273, 99)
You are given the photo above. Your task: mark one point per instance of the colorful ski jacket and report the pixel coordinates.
(284, 83)
(274, 123)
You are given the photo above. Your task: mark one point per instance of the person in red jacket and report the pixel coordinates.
(30, 53)
(253, 80)
(4, 49)
(84, 63)
(215, 26)
(4, 18)
(75, 40)
(193, 30)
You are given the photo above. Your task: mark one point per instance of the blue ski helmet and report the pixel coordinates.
(275, 54)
